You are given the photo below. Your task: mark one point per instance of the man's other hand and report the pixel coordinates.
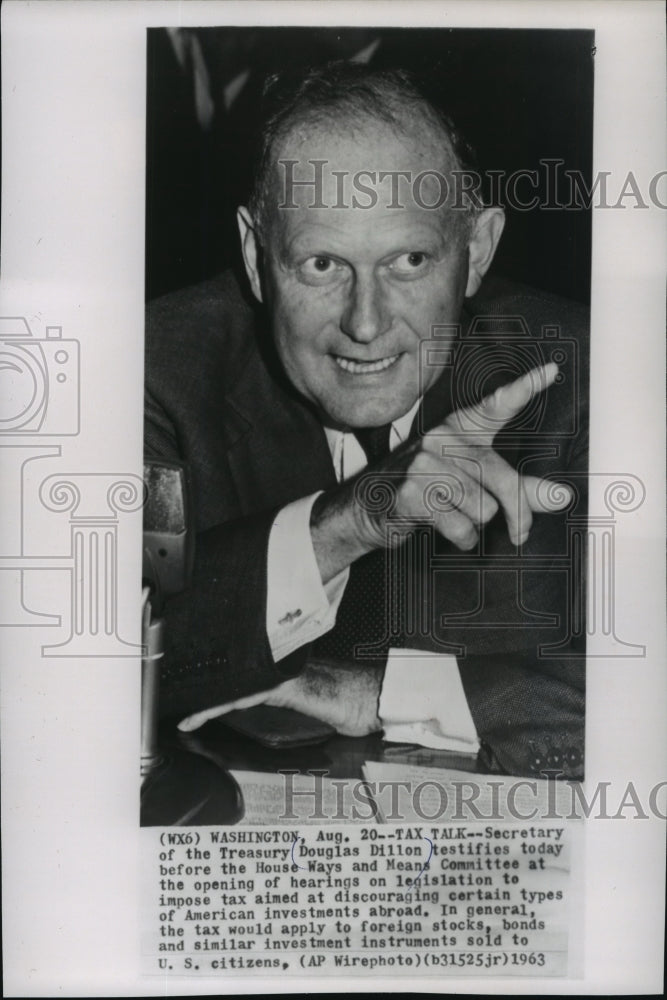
(451, 475)
(344, 696)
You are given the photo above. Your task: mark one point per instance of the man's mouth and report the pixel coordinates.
(365, 367)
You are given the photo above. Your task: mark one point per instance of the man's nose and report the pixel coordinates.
(365, 316)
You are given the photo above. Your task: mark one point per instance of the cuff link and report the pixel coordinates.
(290, 616)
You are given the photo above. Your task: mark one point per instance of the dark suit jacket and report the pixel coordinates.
(215, 398)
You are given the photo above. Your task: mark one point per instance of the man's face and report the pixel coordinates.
(353, 291)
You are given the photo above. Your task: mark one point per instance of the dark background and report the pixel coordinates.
(519, 96)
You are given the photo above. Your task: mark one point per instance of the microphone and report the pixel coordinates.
(168, 554)
(178, 786)
(168, 538)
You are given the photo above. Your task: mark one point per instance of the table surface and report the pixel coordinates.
(193, 787)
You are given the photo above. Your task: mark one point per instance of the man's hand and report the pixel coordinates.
(451, 475)
(344, 696)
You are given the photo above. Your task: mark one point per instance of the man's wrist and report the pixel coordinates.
(340, 531)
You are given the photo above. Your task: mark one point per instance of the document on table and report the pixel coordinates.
(297, 799)
(444, 795)
(400, 793)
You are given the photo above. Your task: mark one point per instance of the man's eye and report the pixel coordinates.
(320, 268)
(318, 265)
(410, 262)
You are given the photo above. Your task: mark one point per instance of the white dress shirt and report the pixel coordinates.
(431, 709)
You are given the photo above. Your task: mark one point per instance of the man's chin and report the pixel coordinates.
(365, 414)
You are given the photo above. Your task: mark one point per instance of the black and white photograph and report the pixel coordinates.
(331, 560)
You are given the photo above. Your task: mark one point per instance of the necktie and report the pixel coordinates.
(363, 614)
(374, 441)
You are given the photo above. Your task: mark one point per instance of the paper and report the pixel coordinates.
(464, 795)
(272, 799)
(436, 688)
(427, 734)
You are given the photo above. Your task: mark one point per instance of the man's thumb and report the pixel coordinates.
(546, 495)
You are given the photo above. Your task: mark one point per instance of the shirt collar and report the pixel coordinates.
(401, 427)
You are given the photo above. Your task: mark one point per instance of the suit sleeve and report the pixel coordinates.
(216, 644)
(525, 683)
(528, 704)
(529, 720)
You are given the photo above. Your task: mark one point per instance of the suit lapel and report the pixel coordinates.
(279, 451)
(438, 401)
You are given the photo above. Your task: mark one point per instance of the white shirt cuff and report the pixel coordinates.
(299, 608)
(422, 701)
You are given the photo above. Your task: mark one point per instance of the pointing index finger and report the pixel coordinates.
(487, 418)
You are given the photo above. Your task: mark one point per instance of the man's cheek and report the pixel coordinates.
(421, 309)
(305, 311)
(429, 294)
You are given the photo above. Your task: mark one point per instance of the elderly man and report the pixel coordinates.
(353, 508)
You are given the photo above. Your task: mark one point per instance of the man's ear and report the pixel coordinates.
(250, 249)
(487, 230)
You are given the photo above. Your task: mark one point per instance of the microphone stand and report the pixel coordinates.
(152, 640)
(178, 786)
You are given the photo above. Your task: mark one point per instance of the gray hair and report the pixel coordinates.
(342, 91)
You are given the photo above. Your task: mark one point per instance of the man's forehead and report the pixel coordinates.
(367, 145)
(354, 139)
(355, 235)
(370, 168)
